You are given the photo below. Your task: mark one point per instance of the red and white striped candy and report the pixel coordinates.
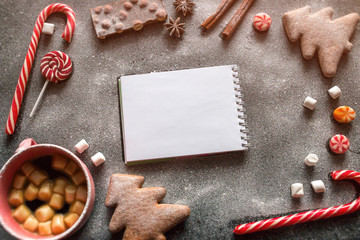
(262, 22)
(56, 66)
(26, 68)
(339, 144)
(306, 216)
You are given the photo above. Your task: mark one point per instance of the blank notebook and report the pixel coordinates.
(182, 113)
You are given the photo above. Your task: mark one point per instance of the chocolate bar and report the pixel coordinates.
(125, 15)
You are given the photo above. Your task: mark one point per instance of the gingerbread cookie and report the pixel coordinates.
(137, 209)
(317, 32)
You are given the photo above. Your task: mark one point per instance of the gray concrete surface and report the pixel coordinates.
(222, 190)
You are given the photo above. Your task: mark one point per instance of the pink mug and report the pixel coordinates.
(28, 150)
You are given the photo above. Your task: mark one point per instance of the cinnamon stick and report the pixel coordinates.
(220, 11)
(236, 19)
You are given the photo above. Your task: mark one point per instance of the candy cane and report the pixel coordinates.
(306, 216)
(26, 68)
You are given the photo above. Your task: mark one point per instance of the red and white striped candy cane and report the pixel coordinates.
(306, 216)
(26, 68)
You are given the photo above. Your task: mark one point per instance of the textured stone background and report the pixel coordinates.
(223, 190)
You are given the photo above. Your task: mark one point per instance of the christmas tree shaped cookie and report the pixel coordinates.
(138, 211)
(319, 33)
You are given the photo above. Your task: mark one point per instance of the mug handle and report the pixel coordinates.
(25, 144)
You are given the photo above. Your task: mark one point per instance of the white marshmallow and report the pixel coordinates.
(318, 186)
(310, 103)
(334, 92)
(81, 146)
(297, 190)
(48, 28)
(311, 159)
(98, 159)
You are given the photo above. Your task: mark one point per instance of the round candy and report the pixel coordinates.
(344, 114)
(262, 22)
(56, 66)
(339, 144)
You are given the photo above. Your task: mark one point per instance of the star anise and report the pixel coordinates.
(175, 27)
(184, 5)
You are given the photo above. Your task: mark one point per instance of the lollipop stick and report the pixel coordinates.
(39, 98)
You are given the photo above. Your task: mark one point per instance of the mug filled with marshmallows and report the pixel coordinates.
(46, 192)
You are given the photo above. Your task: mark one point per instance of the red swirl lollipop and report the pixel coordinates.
(55, 66)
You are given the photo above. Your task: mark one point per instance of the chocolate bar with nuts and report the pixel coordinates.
(125, 15)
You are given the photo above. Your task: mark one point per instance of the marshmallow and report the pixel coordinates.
(31, 224)
(81, 146)
(21, 213)
(19, 181)
(310, 103)
(311, 159)
(98, 159)
(59, 162)
(57, 224)
(44, 228)
(297, 190)
(70, 219)
(334, 92)
(48, 28)
(78, 177)
(318, 186)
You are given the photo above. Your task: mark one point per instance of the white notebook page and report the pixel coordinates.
(179, 113)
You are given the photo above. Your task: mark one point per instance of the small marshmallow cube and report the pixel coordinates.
(57, 224)
(297, 190)
(37, 177)
(48, 28)
(98, 159)
(21, 213)
(70, 193)
(81, 146)
(31, 224)
(56, 201)
(58, 162)
(70, 219)
(60, 185)
(78, 177)
(310, 103)
(311, 159)
(19, 181)
(77, 207)
(334, 92)
(318, 186)
(27, 168)
(44, 213)
(45, 191)
(16, 197)
(71, 167)
(81, 193)
(45, 228)
(31, 192)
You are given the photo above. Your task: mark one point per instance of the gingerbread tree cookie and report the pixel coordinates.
(138, 211)
(318, 32)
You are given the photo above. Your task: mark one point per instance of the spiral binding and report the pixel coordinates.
(240, 107)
